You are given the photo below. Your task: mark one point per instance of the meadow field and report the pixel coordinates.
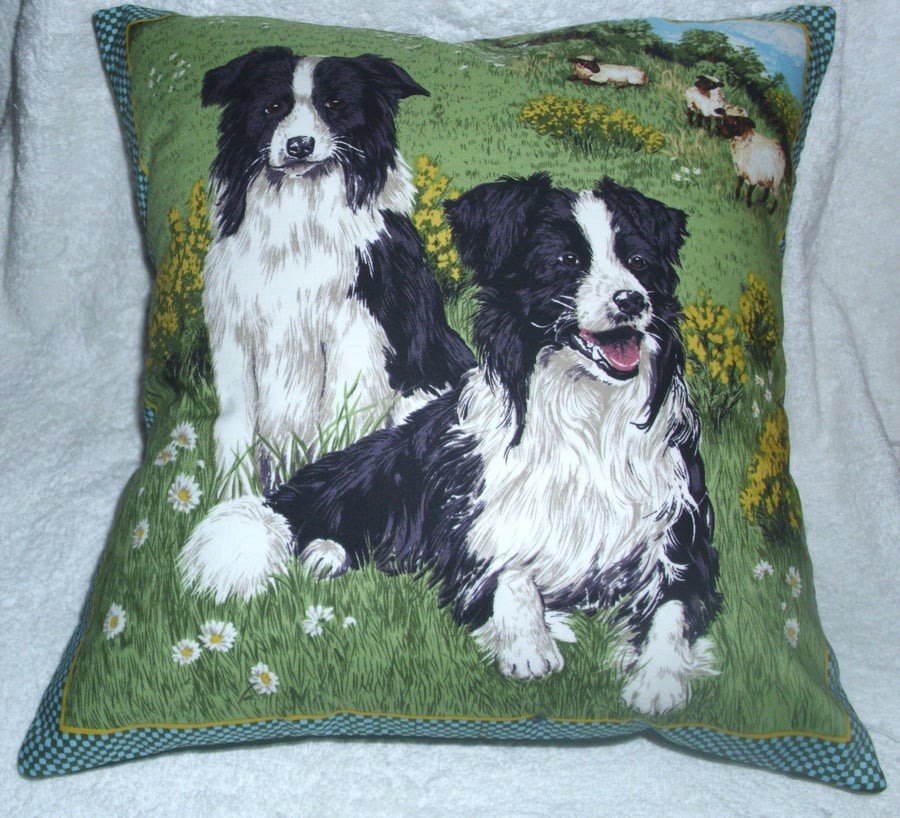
(375, 644)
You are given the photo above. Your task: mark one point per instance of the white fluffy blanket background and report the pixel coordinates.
(72, 305)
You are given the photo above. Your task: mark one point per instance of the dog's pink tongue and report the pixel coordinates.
(623, 354)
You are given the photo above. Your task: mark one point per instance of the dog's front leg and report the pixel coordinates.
(235, 428)
(660, 675)
(516, 635)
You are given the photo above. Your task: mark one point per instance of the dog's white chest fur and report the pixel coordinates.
(289, 339)
(584, 488)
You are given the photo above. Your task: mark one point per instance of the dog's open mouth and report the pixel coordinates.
(295, 166)
(617, 352)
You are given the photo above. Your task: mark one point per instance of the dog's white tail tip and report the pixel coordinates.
(236, 550)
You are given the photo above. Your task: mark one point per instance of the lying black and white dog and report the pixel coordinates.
(562, 473)
(315, 285)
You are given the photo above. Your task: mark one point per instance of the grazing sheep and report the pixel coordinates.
(704, 98)
(758, 160)
(735, 110)
(586, 69)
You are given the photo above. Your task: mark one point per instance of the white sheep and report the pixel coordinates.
(704, 98)
(588, 70)
(758, 160)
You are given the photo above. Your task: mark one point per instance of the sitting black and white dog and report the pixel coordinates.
(315, 285)
(562, 473)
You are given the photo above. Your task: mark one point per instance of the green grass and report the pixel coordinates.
(405, 655)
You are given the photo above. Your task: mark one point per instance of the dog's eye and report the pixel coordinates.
(274, 108)
(336, 104)
(637, 263)
(570, 260)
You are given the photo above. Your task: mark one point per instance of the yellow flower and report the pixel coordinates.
(179, 279)
(428, 219)
(769, 495)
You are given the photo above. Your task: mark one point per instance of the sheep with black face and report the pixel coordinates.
(758, 160)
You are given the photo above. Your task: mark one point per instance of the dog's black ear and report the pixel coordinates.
(391, 77)
(228, 82)
(649, 217)
(490, 221)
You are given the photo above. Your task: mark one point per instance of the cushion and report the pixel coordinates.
(463, 397)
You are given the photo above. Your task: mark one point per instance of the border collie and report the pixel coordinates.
(562, 473)
(315, 286)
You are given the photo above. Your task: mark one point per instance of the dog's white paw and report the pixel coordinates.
(526, 659)
(653, 692)
(236, 550)
(325, 559)
(661, 673)
(519, 636)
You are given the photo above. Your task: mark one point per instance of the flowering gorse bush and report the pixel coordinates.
(757, 321)
(770, 498)
(177, 312)
(786, 110)
(589, 126)
(715, 358)
(432, 190)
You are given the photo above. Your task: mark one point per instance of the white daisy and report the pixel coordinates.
(792, 578)
(763, 569)
(264, 681)
(114, 623)
(218, 636)
(759, 380)
(167, 455)
(186, 652)
(756, 409)
(685, 171)
(349, 621)
(676, 177)
(184, 436)
(315, 616)
(697, 171)
(792, 632)
(139, 535)
(184, 493)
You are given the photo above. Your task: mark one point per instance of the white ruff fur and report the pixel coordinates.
(584, 487)
(287, 342)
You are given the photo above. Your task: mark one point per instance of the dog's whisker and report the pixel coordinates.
(341, 146)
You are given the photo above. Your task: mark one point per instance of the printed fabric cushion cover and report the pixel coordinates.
(154, 666)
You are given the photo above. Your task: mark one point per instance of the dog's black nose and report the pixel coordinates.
(630, 302)
(299, 147)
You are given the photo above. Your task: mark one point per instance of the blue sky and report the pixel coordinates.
(781, 47)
